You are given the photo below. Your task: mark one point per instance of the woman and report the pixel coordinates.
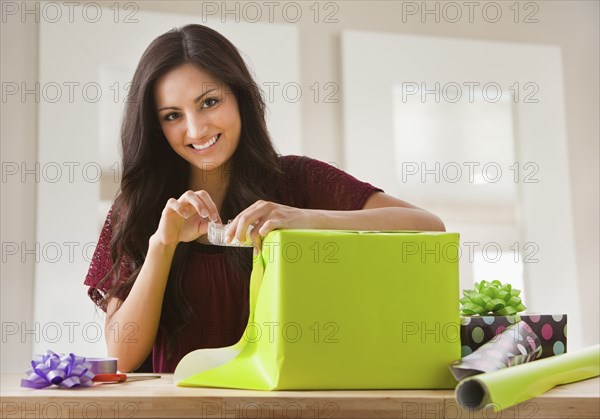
(196, 148)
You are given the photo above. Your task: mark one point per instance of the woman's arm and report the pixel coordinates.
(181, 221)
(131, 325)
(380, 212)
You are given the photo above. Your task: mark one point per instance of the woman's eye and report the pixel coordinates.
(209, 103)
(171, 116)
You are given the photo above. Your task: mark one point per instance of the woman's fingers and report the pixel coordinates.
(191, 204)
(253, 223)
(186, 218)
(268, 226)
(239, 226)
(262, 228)
(265, 217)
(255, 235)
(178, 207)
(209, 205)
(198, 202)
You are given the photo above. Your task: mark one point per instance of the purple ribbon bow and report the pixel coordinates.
(66, 371)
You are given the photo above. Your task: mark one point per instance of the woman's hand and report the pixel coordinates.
(185, 219)
(266, 216)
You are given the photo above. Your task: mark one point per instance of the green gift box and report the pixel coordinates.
(551, 329)
(343, 310)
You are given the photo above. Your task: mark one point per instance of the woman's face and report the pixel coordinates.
(198, 115)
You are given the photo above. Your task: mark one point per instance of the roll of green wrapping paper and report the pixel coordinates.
(510, 386)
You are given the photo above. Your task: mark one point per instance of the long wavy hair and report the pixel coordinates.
(153, 172)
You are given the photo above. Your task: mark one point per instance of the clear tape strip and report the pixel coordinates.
(216, 236)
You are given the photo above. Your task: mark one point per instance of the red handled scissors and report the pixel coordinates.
(119, 378)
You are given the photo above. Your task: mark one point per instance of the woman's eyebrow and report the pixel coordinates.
(198, 99)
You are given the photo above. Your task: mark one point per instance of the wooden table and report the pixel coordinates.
(161, 399)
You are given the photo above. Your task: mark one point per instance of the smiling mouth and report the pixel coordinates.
(207, 144)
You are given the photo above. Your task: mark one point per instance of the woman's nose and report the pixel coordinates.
(197, 126)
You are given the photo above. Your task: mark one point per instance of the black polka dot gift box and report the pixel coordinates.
(551, 329)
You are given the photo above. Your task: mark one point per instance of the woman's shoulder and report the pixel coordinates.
(301, 163)
(289, 160)
(312, 183)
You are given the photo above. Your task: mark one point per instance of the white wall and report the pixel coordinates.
(571, 25)
(18, 134)
(533, 123)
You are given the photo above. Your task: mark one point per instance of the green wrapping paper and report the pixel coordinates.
(342, 310)
(510, 386)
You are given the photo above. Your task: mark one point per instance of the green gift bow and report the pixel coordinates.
(500, 299)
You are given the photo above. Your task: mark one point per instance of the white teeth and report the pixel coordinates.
(206, 145)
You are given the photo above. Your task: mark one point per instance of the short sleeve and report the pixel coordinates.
(101, 264)
(318, 185)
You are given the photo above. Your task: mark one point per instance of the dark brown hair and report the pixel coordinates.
(153, 172)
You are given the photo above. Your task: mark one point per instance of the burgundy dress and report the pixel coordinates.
(220, 298)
